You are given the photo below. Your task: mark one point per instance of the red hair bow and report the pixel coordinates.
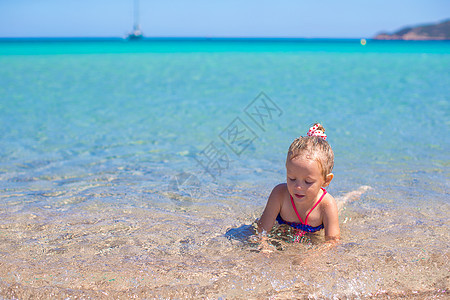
(314, 131)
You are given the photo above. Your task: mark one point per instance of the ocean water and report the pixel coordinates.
(137, 169)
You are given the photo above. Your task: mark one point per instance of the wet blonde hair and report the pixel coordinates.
(316, 148)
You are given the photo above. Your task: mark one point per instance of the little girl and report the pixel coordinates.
(302, 202)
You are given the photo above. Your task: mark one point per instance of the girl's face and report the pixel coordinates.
(304, 178)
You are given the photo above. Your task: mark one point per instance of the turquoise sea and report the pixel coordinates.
(136, 168)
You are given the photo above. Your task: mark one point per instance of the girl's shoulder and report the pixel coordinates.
(328, 203)
(279, 192)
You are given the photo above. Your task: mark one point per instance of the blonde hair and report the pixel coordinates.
(316, 148)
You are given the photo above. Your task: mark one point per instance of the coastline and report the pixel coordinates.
(428, 32)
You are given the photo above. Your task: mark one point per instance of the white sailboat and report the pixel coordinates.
(137, 33)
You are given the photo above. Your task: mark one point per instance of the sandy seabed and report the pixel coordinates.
(108, 252)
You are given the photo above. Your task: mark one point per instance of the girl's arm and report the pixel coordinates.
(331, 220)
(272, 209)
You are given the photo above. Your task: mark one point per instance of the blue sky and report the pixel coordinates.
(214, 18)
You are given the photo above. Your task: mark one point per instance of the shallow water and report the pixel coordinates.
(102, 193)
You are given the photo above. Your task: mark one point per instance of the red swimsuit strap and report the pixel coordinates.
(306, 219)
(321, 197)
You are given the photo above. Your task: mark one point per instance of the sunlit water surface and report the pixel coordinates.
(101, 194)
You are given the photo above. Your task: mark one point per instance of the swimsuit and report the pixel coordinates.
(302, 226)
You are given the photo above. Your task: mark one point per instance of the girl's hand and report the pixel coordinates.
(265, 247)
(263, 242)
(333, 240)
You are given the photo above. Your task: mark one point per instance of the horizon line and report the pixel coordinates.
(176, 37)
(198, 38)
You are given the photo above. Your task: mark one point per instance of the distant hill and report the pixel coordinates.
(440, 31)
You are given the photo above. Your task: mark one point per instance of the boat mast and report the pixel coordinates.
(137, 27)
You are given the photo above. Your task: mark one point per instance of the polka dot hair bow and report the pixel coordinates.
(314, 131)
